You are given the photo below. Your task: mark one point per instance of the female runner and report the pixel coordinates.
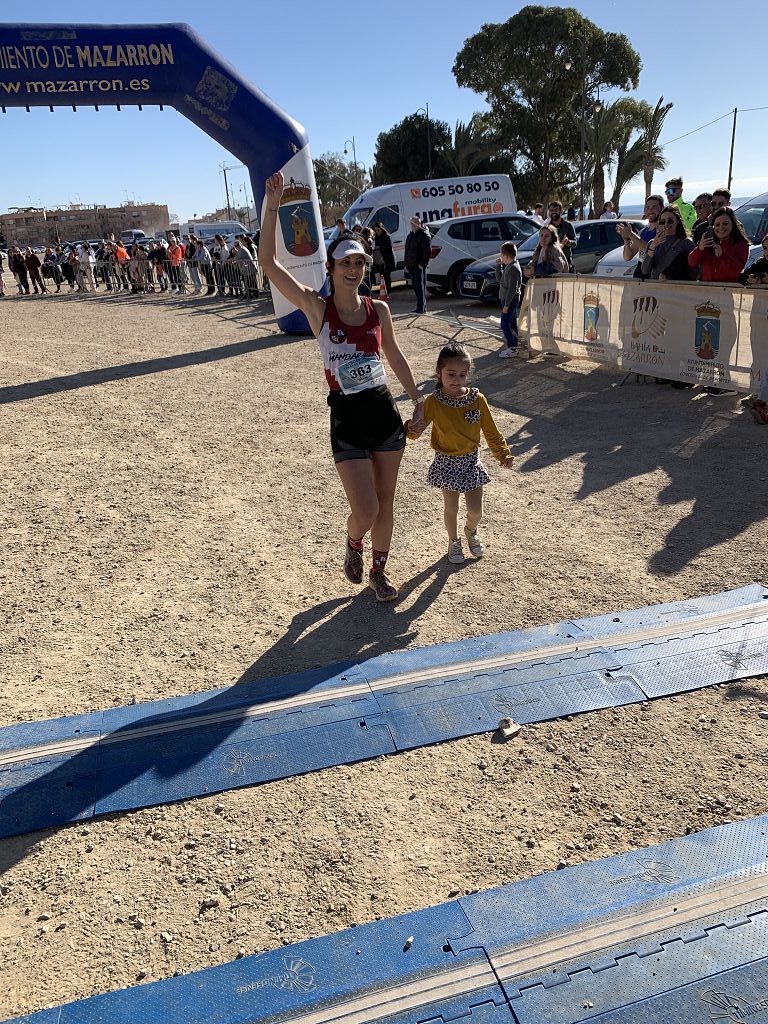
(367, 432)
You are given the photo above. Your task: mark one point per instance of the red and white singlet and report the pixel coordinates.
(351, 355)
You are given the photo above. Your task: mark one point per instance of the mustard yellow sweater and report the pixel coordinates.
(457, 422)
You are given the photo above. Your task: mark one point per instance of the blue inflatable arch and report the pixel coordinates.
(101, 65)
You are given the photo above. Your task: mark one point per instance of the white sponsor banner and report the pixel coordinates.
(700, 333)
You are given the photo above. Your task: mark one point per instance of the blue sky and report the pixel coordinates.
(349, 71)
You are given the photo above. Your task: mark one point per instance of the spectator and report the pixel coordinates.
(156, 257)
(220, 255)
(721, 198)
(637, 244)
(203, 261)
(383, 254)
(18, 268)
(122, 262)
(571, 214)
(538, 213)
(246, 266)
(33, 264)
(52, 267)
(702, 204)
(341, 225)
(723, 249)
(666, 258)
(175, 256)
(608, 211)
(2, 279)
(194, 270)
(758, 272)
(566, 233)
(418, 248)
(510, 278)
(87, 263)
(674, 193)
(548, 256)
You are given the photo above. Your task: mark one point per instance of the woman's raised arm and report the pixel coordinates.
(306, 298)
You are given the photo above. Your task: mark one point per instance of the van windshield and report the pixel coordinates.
(359, 216)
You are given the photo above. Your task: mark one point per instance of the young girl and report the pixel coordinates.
(458, 414)
(367, 432)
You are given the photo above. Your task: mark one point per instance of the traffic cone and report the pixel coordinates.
(383, 294)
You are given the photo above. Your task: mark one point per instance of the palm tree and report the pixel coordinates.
(629, 163)
(653, 154)
(609, 126)
(472, 146)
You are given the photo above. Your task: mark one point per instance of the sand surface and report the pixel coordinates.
(172, 522)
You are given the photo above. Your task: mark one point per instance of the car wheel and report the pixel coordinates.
(453, 279)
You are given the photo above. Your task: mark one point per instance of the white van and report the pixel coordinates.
(229, 229)
(431, 200)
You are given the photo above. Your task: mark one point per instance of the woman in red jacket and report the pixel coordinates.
(722, 250)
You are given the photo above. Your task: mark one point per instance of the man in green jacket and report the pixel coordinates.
(674, 192)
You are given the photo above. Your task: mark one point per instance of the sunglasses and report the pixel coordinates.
(667, 220)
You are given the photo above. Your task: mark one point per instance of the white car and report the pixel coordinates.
(461, 240)
(613, 264)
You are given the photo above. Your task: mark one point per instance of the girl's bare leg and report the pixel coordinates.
(451, 513)
(474, 500)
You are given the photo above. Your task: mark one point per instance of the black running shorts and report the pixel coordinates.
(364, 423)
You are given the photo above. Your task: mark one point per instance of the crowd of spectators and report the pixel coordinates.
(176, 266)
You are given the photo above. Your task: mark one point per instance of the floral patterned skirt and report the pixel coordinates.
(457, 472)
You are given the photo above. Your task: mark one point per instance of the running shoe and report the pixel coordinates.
(475, 544)
(382, 586)
(353, 564)
(508, 353)
(455, 553)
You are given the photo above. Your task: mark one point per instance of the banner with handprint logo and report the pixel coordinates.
(699, 333)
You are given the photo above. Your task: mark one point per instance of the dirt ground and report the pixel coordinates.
(172, 523)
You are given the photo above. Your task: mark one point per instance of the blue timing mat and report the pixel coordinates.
(673, 934)
(75, 768)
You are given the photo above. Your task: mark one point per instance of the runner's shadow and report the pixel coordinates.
(135, 750)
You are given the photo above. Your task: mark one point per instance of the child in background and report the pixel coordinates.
(510, 278)
(458, 414)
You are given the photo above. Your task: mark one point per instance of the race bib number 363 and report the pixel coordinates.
(364, 371)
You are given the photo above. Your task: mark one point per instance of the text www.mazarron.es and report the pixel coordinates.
(70, 85)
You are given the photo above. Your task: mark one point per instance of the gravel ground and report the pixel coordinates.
(172, 523)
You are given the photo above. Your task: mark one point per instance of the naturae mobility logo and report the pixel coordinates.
(298, 975)
(723, 1007)
(297, 219)
(707, 331)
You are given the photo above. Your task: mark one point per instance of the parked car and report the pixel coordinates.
(459, 241)
(594, 238)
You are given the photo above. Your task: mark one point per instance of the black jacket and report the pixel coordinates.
(418, 247)
(384, 244)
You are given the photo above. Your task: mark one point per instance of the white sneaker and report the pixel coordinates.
(508, 353)
(474, 542)
(455, 554)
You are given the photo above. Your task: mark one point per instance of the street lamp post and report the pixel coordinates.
(351, 142)
(425, 111)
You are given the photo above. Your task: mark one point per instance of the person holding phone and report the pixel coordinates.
(722, 250)
(666, 258)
